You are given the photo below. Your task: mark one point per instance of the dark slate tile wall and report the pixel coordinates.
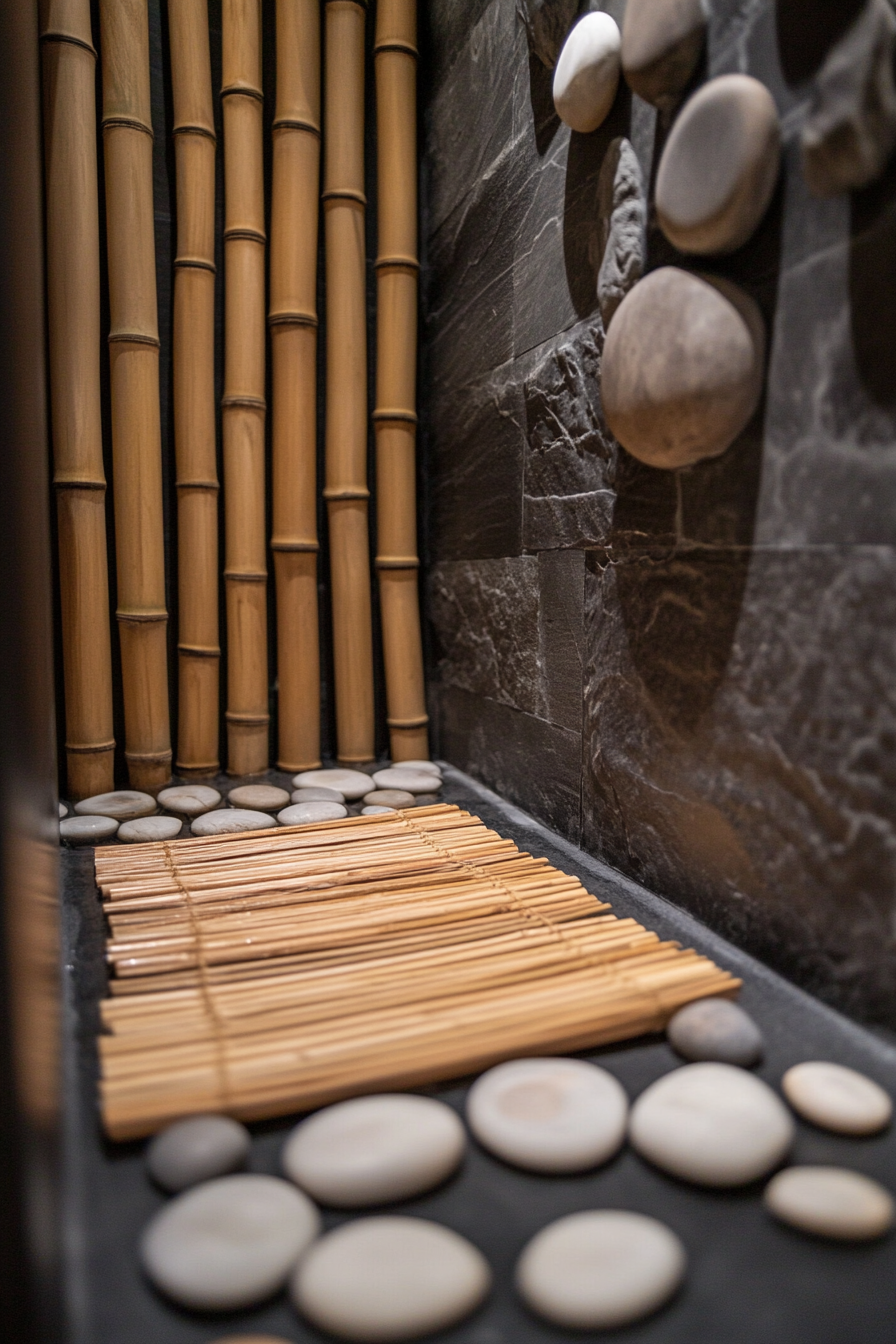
(693, 674)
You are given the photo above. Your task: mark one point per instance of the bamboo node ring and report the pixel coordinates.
(246, 575)
(392, 413)
(343, 193)
(196, 263)
(396, 562)
(242, 91)
(198, 485)
(140, 618)
(395, 44)
(398, 263)
(132, 338)
(419, 722)
(249, 720)
(150, 757)
(199, 650)
(292, 320)
(250, 235)
(278, 545)
(83, 748)
(248, 403)
(79, 482)
(134, 123)
(295, 124)
(70, 39)
(191, 128)
(346, 492)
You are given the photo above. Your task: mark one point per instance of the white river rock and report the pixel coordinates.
(830, 1202)
(586, 76)
(230, 820)
(146, 829)
(189, 800)
(122, 804)
(834, 1097)
(196, 1149)
(351, 784)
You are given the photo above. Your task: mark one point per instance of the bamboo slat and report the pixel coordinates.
(395, 418)
(243, 419)
(280, 970)
(199, 653)
(73, 307)
(293, 322)
(134, 357)
(346, 489)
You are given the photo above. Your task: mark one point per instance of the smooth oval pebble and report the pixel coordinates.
(682, 367)
(372, 1150)
(376, 810)
(189, 800)
(228, 1243)
(390, 798)
(830, 1202)
(418, 765)
(251, 1339)
(196, 1149)
(150, 828)
(390, 1279)
(600, 1269)
(715, 1029)
(317, 795)
(834, 1097)
(661, 45)
(258, 797)
(351, 784)
(719, 166)
(548, 1114)
(87, 830)
(302, 814)
(408, 781)
(586, 75)
(712, 1124)
(229, 820)
(63, 811)
(122, 804)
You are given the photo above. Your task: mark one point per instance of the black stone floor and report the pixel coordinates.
(749, 1280)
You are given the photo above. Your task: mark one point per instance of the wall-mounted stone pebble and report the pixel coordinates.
(228, 1243)
(621, 221)
(830, 1202)
(850, 131)
(230, 820)
(122, 804)
(390, 1279)
(87, 830)
(719, 166)
(715, 1029)
(547, 22)
(373, 1150)
(712, 1124)
(148, 829)
(351, 784)
(549, 1114)
(586, 76)
(196, 1149)
(301, 814)
(409, 781)
(836, 1098)
(682, 367)
(189, 800)
(662, 41)
(600, 1270)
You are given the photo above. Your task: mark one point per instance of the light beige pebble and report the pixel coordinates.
(63, 811)
(189, 800)
(834, 1097)
(251, 1339)
(830, 1202)
(390, 1278)
(258, 797)
(661, 45)
(719, 166)
(351, 784)
(196, 1149)
(408, 781)
(682, 367)
(230, 820)
(228, 1243)
(373, 1150)
(601, 1269)
(549, 1114)
(122, 804)
(376, 810)
(712, 1124)
(87, 830)
(586, 75)
(303, 814)
(390, 798)
(147, 829)
(317, 795)
(418, 765)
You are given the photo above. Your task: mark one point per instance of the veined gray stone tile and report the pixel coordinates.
(445, 27)
(532, 763)
(740, 730)
(561, 581)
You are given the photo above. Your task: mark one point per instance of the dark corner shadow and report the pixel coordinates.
(583, 165)
(807, 29)
(545, 121)
(872, 287)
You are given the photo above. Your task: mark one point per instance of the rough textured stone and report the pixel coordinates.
(719, 166)
(547, 22)
(390, 1279)
(830, 1202)
(622, 217)
(682, 368)
(837, 1098)
(196, 1149)
(715, 1029)
(258, 797)
(851, 128)
(662, 41)
(601, 1269)
(189, 800)
(587, 73)
(148, 829)
(122, 804)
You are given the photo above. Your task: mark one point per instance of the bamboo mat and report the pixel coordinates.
(269, 972)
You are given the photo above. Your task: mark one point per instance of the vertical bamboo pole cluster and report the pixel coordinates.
(194, 389)
(73, 299)
(346, 490)
(243, 421)
(293, 322)
(134, 359)
(395, 416)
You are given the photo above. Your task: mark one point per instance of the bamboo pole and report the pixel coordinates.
(134, 357)
(73, 303)
(293, 321)
(346, 489)
(199, 653)
(243, 420)
(395, 418)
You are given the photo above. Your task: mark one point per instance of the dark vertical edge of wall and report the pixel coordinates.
(30, 1223)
